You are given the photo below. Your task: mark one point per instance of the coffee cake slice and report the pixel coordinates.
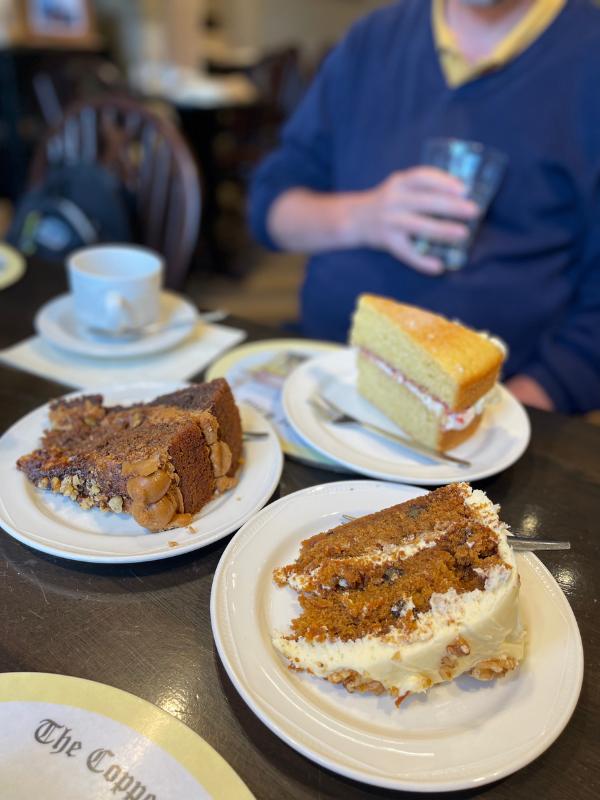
(408, 597)
(161, 462)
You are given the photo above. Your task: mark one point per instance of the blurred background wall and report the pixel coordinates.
(311, 24)
(225, 73)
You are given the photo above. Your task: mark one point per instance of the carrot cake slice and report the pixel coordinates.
(408, 597)
(161, 461)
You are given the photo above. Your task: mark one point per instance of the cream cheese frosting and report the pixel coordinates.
(477, 631)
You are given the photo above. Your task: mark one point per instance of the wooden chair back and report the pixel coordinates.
(148, 154)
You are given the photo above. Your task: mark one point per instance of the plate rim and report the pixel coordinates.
(469, 474)
(232, 358)
(14, 268)
(115, 350)
(542, 574)
(159, 553)
(172, 735)
(213, 370)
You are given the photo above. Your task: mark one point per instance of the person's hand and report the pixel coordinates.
(530, 392)
(408, 204)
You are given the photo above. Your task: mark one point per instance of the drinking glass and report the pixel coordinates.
(481, 169)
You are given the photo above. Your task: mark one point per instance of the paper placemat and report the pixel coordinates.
(191, 356)
(66, 738)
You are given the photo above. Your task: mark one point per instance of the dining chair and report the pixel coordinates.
(149, 156)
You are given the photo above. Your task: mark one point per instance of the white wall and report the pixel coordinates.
(267, 24)
(8, 20)
(156, 30)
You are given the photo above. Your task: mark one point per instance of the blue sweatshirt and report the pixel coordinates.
(533, 276)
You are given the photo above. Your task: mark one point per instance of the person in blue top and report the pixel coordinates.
(345, 185)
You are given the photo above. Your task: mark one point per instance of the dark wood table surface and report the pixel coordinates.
(145, 628)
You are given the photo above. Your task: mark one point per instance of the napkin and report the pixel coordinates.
(180, 363)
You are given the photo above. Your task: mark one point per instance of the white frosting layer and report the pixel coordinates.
(486, 620)
(450, 421)
(388, 552)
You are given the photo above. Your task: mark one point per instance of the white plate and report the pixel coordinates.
(244, 369)
(461, 734)
(499, 441)
(56, 323)
(56, 525)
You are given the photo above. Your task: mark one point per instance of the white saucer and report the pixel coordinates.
(56, 323)
(499, 441)
(461, 734)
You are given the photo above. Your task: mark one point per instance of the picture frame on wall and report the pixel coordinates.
(59, 23)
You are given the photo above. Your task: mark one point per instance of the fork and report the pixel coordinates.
(157, 327)
(251, 436)
(332, 413)
(518, 543)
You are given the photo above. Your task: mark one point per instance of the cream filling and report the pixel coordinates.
(390, 552)
(486, 621)
(449, 420)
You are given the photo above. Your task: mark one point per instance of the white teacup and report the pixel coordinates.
(115, 288)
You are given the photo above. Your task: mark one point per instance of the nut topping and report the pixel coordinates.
(459, 647)
(116, 504)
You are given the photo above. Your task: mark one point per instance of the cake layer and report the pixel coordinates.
(215, 397)
(408, 597)
(449, 361)
(407, 409)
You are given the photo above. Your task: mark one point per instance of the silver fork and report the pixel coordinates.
(157, 327)
(518, 543)
(332, 413)
(251, 436)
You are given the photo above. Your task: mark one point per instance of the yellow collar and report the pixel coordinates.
(455, 66)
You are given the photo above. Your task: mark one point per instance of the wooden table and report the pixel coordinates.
(145, 628)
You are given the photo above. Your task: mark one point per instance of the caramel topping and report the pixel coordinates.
(149, 488)
(209, 425)
(177, 495)
(224, 483)
(221, 458)
(145, 467)
(180, 521)
(154, 516)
